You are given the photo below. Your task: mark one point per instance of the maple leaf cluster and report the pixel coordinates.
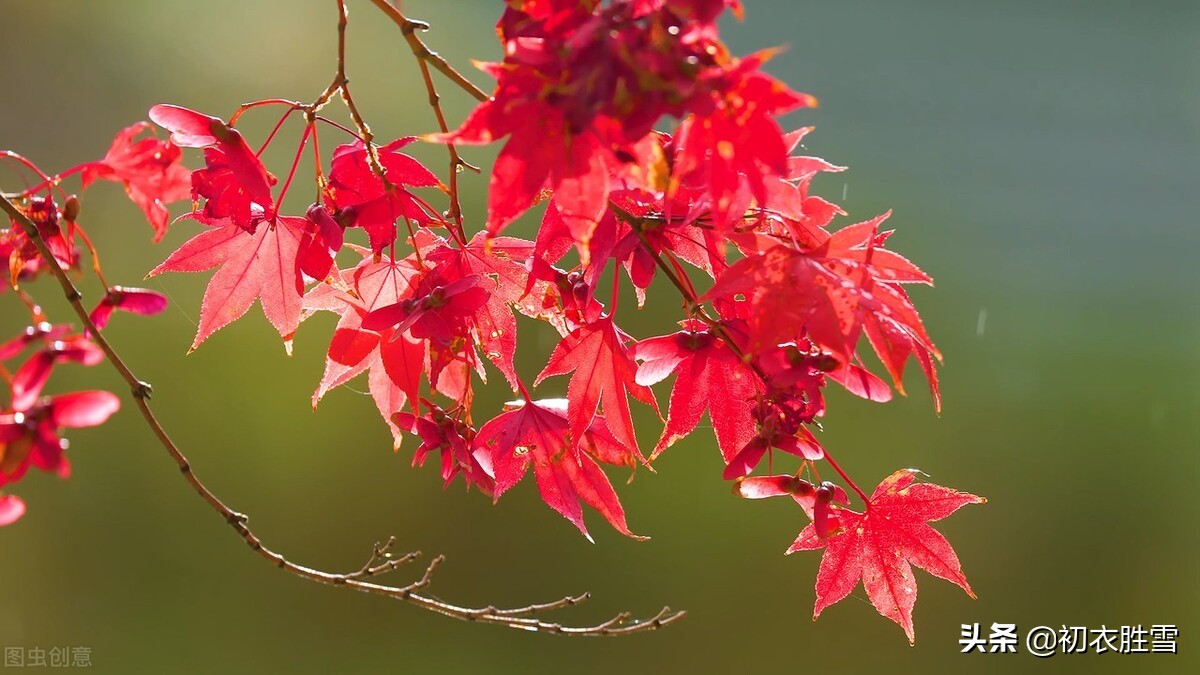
(776, 300)
(31, 424)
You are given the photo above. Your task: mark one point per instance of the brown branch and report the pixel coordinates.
(409, 28)
(141, 391)
(456, 160)
(341, 85)
(426, 57)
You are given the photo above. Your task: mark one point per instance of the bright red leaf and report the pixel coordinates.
(500, 265)
(451, 439)
(604, 374)
(711, 377)
(234, 181)
(880, 545)
(564, 464)
(29, 379)
(439, 308)
(29, 435)
(259, 266)
(149, 168)
(393, 363)
(831, 294)
(365, 201)
(134, 300)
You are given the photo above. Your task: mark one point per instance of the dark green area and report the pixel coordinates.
(1041, 159)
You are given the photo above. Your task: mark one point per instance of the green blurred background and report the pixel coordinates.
(1042, 161)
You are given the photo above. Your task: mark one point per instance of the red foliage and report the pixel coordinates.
(880, 545)
(362, 199)
(151, 171)
(258, 265)
(603, 374)
(776, 303)
(564, 464)
(705, 365)
(31, 424)
(233, 182)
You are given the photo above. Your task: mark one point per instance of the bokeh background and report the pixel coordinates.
(1042, 160)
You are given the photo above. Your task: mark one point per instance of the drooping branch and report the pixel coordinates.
(380, 561)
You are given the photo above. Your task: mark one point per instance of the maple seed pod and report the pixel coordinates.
(802, 488)
(71, 209)
(824, 494)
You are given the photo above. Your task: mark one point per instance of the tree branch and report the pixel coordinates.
(409, 28)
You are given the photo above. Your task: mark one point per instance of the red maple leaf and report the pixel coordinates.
(150, 170)
(364, 199)
(234, 181)
(832, 293)
(259, 265)
(439, 309)
(393, 363)
(542, 151)
(614, 238)
(880, 546)
(739, 138)
(564, 464)
(499, 262)
(579, 87)
(711, 377)
(604, 375)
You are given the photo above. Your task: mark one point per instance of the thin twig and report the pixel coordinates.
(426, 57)
(456, 160)
(141, 391)
(341, 84)
(409, 28)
